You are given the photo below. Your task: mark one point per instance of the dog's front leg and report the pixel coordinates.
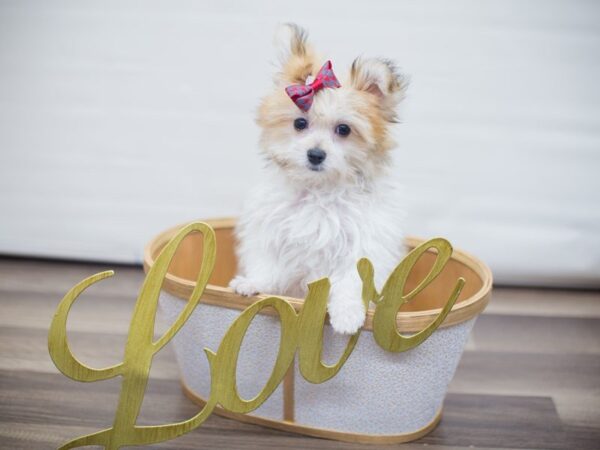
(258, 279)
(345, 307)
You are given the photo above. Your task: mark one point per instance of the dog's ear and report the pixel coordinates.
(380, 78)
(297, 59)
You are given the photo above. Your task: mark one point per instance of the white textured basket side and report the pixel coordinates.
(376, 392)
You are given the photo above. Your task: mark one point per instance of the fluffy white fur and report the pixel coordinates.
(304, 222)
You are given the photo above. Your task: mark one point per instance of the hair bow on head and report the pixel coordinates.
(302, 94)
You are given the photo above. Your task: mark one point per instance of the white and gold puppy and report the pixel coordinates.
(327, 199)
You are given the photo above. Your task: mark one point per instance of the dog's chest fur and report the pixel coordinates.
(313, 234)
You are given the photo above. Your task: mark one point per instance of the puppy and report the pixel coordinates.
(327, 198)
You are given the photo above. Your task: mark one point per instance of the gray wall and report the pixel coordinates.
(121, 118)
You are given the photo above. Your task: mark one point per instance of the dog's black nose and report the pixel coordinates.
(316, 156)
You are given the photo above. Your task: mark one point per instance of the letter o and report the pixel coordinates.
(225, 360)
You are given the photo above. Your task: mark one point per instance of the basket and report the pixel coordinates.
(377, 397)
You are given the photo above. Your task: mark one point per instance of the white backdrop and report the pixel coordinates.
(121, 118)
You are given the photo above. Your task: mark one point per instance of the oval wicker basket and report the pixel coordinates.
(377, 397)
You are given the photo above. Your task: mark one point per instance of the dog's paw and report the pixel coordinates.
(346, 318)
(244, 286)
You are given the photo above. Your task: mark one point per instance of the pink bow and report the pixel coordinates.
(302, 94)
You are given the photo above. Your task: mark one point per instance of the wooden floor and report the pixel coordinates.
(530, 377)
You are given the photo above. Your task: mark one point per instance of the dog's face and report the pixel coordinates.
(344, 136)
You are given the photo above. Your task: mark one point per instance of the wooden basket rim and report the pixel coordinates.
(409, 321)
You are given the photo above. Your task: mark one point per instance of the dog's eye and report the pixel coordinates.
(343, 130)
(300, 123)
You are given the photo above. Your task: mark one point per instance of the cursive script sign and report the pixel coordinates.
(301, 333)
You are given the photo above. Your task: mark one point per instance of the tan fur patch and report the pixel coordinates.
(298, 68)
(275, 110)
(368, 107)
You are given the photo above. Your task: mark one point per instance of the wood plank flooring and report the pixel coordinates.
(530, 377)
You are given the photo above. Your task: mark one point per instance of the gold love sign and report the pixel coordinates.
(301, 333)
